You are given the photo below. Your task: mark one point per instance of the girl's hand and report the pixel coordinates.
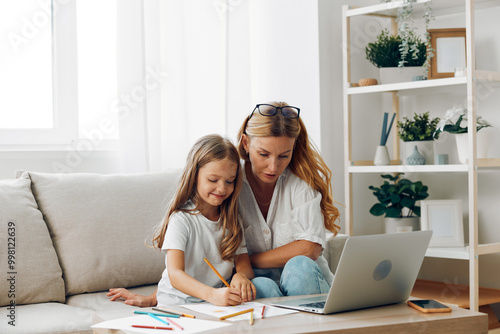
(132, 298)
(225, 297)
(246, 288)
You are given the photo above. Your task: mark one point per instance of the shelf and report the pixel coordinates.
(461, 253)
(385, 9)
(446, 83)
(408, 168)
(390, 9)
(366, 166)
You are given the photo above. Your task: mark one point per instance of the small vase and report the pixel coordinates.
(381, 156)
(425, 148)
(415, 158)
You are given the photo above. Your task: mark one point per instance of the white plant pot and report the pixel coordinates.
(482, 146)
(425, 148)
(400, 74)
(381, 156)
(398, 225)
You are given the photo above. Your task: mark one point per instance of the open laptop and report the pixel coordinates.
(373, 270)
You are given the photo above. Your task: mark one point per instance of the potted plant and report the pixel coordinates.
(397, 200)
(455, 122)
(406, 29)
(385, 53)
(418, 134)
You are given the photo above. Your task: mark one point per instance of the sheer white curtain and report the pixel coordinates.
(187, 68)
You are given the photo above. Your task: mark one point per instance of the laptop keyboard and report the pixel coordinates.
(314, 305)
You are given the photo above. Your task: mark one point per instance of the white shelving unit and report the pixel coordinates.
(468, 86)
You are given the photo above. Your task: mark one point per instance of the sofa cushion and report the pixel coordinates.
(33, 274)
(53, 318)
(100, 225)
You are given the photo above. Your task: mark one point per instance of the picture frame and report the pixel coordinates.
(445, 219)
(449, 52)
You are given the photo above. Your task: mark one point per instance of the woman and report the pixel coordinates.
(286, 203)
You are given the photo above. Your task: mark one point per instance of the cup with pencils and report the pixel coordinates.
(382, 154)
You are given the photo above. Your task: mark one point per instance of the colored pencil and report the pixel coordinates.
(251, 318)
(235, 314)
(161, 309)
(215, 270)
(176, 324)
(168, 315)
(153, 327)
(155, 317)
(263, 309)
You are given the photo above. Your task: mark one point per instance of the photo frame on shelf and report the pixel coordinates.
(445, 219)
(449, 52)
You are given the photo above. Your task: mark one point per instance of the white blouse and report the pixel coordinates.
(294, 214)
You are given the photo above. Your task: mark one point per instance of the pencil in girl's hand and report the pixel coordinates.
(215, 270)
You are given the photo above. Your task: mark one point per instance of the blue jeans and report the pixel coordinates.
(300, 276)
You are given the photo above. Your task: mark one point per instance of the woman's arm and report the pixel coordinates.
(190, 286)
(241, 279)
(278, 257)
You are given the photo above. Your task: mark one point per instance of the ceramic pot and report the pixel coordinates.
(482, 146)
(398, 225)
(399, 74)
(381, 156)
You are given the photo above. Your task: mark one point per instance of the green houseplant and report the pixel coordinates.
(397, 200)
(418, 134)
(420, 128)
(386, 52)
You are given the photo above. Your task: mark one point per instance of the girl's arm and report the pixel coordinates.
(133, 298)
(190, 286)
(241, 279)
(278, 257)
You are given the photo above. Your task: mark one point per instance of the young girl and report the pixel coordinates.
(202, 222)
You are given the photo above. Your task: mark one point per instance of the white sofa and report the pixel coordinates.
(67, 238)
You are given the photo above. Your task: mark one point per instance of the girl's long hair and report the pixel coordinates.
(306, 161)
(208, 149)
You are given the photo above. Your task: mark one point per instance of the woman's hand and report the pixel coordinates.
(245, 286)
(132, 299)
(224, 297)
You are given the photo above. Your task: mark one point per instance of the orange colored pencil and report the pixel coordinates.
(215, 270)
(263, 309)
(235, 314)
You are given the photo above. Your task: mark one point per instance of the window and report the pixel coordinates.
(26, 66)
(58, 82)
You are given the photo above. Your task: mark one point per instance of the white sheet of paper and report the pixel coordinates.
(189, 325)
(220, 311)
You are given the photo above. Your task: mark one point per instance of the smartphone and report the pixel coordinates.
(429, 306)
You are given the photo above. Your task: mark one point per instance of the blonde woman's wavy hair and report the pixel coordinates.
(306, 161)
(208, 149)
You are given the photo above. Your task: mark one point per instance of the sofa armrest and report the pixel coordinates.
(333, 250)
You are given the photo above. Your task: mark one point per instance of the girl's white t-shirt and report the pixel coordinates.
(294, 214)
(198, 237)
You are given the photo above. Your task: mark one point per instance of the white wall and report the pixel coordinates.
(367, 115)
